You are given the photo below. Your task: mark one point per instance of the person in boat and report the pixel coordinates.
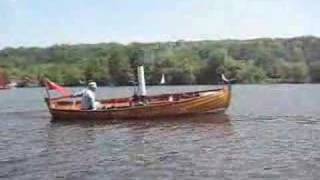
(88, 101)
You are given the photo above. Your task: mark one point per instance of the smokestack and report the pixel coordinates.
(141, 80)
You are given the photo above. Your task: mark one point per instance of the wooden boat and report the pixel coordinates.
(165, 105)
(141, 106)
(4, 82)
(4, 88)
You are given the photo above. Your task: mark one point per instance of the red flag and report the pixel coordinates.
(53, 86)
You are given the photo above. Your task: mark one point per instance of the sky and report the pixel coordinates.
(48, 22)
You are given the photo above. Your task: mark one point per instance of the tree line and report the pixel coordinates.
(292, 60)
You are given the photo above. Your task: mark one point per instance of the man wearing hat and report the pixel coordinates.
(88, 101)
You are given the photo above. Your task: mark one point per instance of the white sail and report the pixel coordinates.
(223, 77)
(163, 79)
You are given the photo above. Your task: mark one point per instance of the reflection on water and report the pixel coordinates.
(269, 132)
(121, 148)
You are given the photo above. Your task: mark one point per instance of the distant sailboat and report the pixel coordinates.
(163, 79)
(4, 82)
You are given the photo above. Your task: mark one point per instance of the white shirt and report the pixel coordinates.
(88, 101)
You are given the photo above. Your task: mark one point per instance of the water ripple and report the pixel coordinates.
(273, 138)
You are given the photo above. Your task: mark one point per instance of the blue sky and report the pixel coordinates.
(49, 22)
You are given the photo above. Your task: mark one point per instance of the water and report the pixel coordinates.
(269, 132)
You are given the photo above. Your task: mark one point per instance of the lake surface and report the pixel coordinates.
(269, 132)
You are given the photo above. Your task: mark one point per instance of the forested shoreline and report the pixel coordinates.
(290, 60)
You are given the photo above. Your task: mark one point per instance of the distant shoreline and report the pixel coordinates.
(293, 60)
(244, 40)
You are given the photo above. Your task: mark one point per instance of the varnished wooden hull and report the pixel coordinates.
(211, 101)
